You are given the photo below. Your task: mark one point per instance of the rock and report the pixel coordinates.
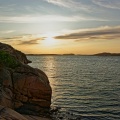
(9, 114)
(23, 88)
(29, 117)
(17, 54)
(9, 61)
(31, 86)
(6, 94)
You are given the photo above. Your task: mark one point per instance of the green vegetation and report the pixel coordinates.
(8, 60)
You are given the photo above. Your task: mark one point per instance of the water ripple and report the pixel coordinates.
(84, 87)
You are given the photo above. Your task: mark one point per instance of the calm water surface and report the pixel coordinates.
(86, 86)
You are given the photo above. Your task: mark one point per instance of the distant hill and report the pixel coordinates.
(107, 54)
(71, 54)
(41, 54)
(47, 54)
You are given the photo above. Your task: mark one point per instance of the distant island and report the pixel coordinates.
(107, 54)
(48, 54)
(71, 54)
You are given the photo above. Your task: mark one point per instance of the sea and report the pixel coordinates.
(83, 87)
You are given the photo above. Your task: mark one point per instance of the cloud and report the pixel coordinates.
(42, 12)
(23, 39)
(59, 2)
(114, 4)
(29, 42)
(103, 33)
(7, 31)
(34, 19)
(47, 18)
(72, 4)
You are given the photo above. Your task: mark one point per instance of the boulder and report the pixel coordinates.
(31, 88)
(22, 88)
(17, 54)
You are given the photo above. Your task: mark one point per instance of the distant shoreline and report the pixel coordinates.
(98, 54)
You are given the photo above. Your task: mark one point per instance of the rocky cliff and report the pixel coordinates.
(22, 88)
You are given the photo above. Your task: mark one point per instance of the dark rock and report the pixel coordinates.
(23, 88)
(6, 94)
(9, 114)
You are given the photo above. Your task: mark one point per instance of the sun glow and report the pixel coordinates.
(49, 39)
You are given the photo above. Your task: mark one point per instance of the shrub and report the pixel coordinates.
(8, 60)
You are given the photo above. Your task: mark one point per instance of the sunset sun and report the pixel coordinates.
(49, 40)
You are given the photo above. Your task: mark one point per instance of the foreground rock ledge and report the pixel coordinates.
(9, 114)
(22, 88)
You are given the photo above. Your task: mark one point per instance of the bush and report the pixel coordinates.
(8, 60)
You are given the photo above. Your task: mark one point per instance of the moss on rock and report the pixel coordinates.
(8, 60)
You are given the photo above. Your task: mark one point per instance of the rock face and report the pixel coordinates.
(22, 88)
(31, 89)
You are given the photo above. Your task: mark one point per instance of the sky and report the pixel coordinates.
(61, 26)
